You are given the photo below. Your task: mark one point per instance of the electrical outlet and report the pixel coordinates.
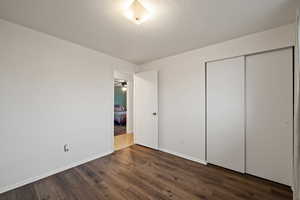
(66, 148)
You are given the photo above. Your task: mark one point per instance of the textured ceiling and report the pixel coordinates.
(176, 26)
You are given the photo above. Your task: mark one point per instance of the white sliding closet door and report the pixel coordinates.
(269, 129)
(225, 113)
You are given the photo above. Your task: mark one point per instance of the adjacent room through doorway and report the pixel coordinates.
(120, 107)
(122, 137)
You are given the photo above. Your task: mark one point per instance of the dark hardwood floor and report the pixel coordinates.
(139, 173)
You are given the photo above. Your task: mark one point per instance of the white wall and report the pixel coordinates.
(53, 92)
(182, 88)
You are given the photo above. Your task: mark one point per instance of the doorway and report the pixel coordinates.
(123, 136)
(120, 107)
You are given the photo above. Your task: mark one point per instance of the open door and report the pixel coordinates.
(146, 109)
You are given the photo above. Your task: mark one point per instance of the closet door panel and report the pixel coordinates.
(225, 113)
(269, 127)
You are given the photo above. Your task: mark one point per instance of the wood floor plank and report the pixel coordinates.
(26, 192)
(160, 179)
(140, 173)
(117, 180)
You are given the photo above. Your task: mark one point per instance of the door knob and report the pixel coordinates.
(154, 113)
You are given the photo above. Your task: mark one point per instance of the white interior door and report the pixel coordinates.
(225, 113)
(146, 109)
(269, 132)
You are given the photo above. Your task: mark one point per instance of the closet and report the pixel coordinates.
(250, 114)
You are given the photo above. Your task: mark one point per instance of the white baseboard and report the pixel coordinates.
(52, 172)
(184, 156)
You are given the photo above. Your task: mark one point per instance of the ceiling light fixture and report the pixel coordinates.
(137, 12)
(124, 86)
(124, 89)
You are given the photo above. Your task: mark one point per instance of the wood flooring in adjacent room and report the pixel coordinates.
(139, 173)
(123, 141)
